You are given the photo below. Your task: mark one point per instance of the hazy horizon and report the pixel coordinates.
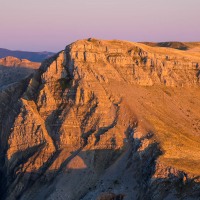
(44, 50)
(49, 25)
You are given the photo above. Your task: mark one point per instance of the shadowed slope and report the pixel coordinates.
(14, 69)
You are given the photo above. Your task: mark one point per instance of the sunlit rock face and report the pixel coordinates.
(103, 120)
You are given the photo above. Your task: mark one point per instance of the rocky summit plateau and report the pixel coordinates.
(104, 120)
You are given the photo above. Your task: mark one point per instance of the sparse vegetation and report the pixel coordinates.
(63, 84)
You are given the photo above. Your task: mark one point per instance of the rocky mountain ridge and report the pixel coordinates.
(10, 61)
(103, 120)
(175, 45)
(32, 56)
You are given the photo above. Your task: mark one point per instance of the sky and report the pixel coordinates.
(50, 25)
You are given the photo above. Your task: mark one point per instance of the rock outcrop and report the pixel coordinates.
(103, 120)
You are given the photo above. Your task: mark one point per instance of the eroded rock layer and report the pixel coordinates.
(103, 120)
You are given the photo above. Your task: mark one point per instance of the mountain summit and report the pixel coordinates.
(104, 120)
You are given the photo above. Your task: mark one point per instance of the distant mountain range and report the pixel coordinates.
(176, 45)
(32, 56)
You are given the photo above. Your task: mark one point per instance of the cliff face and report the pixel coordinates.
(103, 120)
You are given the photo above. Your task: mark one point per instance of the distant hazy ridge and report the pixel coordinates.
(32, 56)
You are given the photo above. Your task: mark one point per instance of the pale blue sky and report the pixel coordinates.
(52, 24)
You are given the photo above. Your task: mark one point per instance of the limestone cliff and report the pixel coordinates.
(103, 120)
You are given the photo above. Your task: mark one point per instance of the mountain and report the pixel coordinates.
(32, 56)
(14, 69)
(10, 61)
(175, 45)
(104, 120)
